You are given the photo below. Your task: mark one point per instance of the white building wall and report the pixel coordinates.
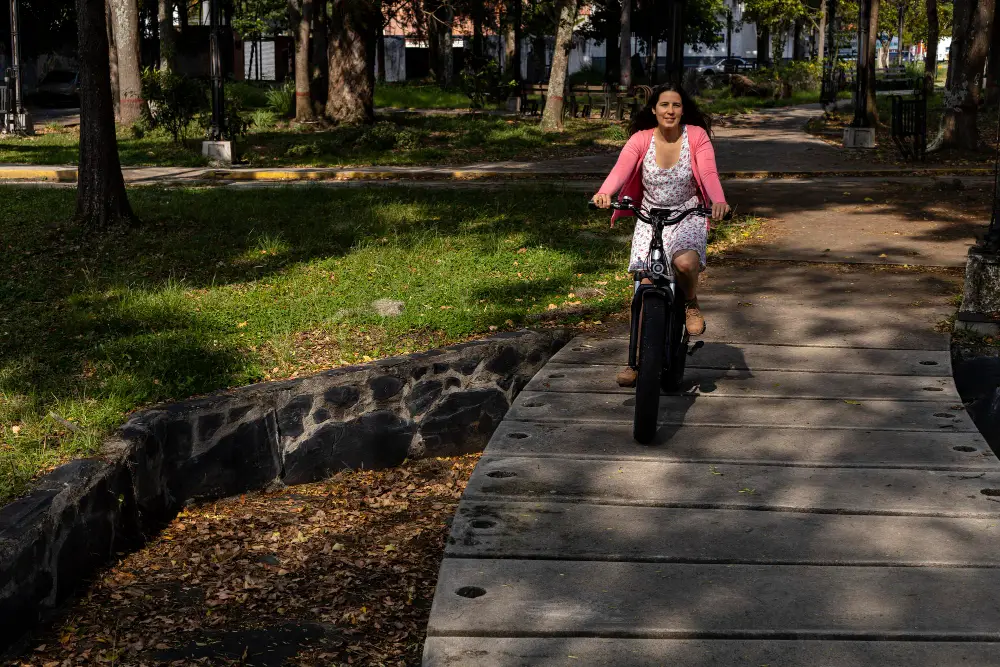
(395, 59)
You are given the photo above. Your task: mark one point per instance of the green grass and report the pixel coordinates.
(220, 288)
(418, 96)
(721, 102)
(401, 139)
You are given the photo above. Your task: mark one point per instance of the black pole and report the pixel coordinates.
(217, 130)
(16, 55)
(861, 82)
(675, 47)
(729, 34)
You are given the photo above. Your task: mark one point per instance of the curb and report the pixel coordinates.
(57, 174)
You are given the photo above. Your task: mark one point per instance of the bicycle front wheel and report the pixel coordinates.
(652, 339)
(673, 374)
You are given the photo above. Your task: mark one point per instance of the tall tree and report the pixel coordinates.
(933, 36)
(112, 56)
(871, 106)
(555, 97)
(970, 43)
(126, 19)
(101, 200)
(993, 64)
(351, 97)
(168, 38)
(319, 76)
(625, 46)
(821, 35)
(300, 13)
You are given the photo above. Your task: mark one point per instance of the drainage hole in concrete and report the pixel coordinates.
(471, 592)
(533, 404)
(928, 363)
(501, 474)
(629, 402)
(944, 415)
(483, 523)
(578, 349)
(556, 375)
(517, 436)
(990, 492)
(964, 448)
(933, 388)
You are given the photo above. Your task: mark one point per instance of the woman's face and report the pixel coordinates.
(668, 110)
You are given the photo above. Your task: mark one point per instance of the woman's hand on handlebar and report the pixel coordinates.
(602, 200)
(720, 210)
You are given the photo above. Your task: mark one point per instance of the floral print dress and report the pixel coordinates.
(673, 188)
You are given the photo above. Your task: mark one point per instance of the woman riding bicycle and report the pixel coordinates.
(669, 163)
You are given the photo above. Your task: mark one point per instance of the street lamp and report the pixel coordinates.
(217, 147)
(860, 134)
(16, 118)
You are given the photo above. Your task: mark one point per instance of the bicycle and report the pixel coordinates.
(658, 340)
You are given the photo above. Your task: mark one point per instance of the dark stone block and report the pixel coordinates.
(321, 415)
(463, 422)
(423, 395)
(342, 397)
(451, 383)
(237, 414)
(504, 362)
(534, 356)
(467, 366)
(291, 416)
(385, 387)
(418, 372)
(375, 440)
(440, 368)
(505, 382)
(242, 461)
(209, 425)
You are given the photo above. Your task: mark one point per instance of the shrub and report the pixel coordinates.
(173, 98)
(588, 76)
(803, 76)
(238, 121)
(486, 84)
(263, 119)
(382, 135)
(250, 96)
(282, 100)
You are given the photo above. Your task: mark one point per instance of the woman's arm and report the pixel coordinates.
(708, 173)
(627, 160)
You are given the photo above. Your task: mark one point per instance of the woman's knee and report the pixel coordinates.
(688, 263)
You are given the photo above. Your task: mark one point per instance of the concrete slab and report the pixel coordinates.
(747, 411)
(774, 384)
(739, 486)
(561, 651)
(813, 447)
(680, 601)
(614, 351)
(587, 531)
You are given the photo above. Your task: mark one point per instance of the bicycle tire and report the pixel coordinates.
(673, 374)
(652, 338)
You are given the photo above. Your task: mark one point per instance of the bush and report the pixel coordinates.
(238, 121)
(616, 133)
(588, 76)
(386, 135)
(173, 98)
(263, 119)
(251, 96)
(282, 100)
(486, 84)
(802, 76)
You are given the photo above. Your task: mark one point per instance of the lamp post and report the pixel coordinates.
(217, 147)
(19, 120)
(860, 134)
(675, 45)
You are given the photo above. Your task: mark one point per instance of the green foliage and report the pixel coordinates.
(486, 85)
(251, 96)
(386, 135)
(589, 76)
(775, 15)
(703, 21)
(281, 100)
(804, 76)
(173, 98)
(263, 119)
(252, 18)
(616, 133)
(411, 95)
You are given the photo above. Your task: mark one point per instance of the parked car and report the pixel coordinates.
(725, 66)
(59, 85)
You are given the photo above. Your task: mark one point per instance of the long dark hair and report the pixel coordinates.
(692, 115)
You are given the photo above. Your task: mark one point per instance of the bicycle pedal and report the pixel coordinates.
(697, 346)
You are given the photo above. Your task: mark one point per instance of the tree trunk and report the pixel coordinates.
(101, 200)
(763, 46)
(446, 19)
(871, 106)
(625, 46)
(518, 18)
(130, 102)
(319, 83)
(182, 14)
(112, 57)
(993, 64)
(971, 33)
(510, 67)
(168, 40)
(821, 37)
(351, 98)
(612, 56)
(798, 46)
(380, 51)
(930, 58)
(300, 12)
(552, 116)
(478, 52)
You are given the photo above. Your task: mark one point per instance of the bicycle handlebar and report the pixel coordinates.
(626, 205)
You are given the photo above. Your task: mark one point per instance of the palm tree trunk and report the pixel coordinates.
(552, 116)
(126, 20)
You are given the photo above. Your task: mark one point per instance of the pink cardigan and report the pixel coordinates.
(628, 169)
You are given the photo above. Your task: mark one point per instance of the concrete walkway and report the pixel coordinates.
(817, 496)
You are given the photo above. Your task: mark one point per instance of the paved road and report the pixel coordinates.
(817, 495)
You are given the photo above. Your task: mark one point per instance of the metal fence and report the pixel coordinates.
(909, 125)
(6, 98)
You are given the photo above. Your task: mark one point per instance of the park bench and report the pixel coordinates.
(909, 125)
(583, 99)
(895, 81)
(533, 98)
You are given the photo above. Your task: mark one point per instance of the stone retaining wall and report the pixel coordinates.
(438, 403)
